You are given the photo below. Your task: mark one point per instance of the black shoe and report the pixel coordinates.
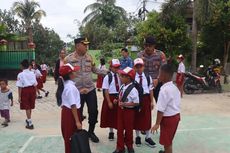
(117, 151)
(111, 136)
(161, 151)
(47, 93)
(5, 124)
(93, 137)
(39, 97)
(143, 132)
(150, 142)
(138, 141)
(30, 127)
(131, 150)
(99, 90)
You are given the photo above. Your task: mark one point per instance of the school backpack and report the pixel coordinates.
(110, 79)
(80, 142)
(59, 92)
(140, 90)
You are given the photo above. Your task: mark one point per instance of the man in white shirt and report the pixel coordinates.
(168, 109)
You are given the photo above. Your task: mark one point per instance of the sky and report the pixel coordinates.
(63, 14)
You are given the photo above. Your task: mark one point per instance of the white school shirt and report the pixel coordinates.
(70, 95)
(26, 78)
(44, 67)
(37, 73)
(181, 68)
(111, 87)
(102, 67)
(145, 86)
(169, 99)
(133, 95)
(5, 100)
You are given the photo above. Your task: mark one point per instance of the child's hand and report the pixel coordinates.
(79, 125)
(121, 104)
(110, 105)
(152, 105)
(155, 128)
(115, 101)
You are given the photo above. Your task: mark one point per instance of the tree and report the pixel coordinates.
(29, 12)
(104, 12)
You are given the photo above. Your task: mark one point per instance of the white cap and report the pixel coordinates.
(138, 61)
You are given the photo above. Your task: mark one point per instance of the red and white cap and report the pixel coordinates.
(138, 61)
(115, 63)
(68, 68)
(129, 72)
(180, 57)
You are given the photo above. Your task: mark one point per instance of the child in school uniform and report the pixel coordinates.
(70, 103)
(143, 117)
(126, 111)
(100, 77)
(111, 86)
(168, 109)
(26, 83)
(39, 77)
(180, 73)
(6, 100)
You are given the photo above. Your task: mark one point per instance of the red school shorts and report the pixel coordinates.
(28, 96)
(168, 129)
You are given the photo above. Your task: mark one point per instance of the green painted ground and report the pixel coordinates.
(196, 134)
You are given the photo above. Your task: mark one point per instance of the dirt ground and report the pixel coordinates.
(204, 127)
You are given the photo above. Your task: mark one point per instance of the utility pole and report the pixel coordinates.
(144, 9)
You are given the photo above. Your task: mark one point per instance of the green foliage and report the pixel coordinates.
(48, 44)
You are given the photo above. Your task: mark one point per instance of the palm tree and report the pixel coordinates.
(104, 12)
(29, 12)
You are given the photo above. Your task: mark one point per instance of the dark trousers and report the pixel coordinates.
(157, 90)
(91, 101)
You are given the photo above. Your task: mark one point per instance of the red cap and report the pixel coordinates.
(180, 57)
(129, 72)
(67, 68)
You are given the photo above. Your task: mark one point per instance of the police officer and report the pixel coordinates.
(84, 81)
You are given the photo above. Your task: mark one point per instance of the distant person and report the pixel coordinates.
(59, 63)
(84, 82)
(168, 109)
(153, 60)
(44, 69)
(70, 103)
(101, 66)
(26, 83)
(126, 60)
(180, 74)
(6, 100)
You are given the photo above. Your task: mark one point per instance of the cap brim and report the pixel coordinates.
(122, 72)
(76, 68)
(85, 42)
(142, 64)
(116, 65)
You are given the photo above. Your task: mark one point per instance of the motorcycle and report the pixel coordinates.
(209, 81)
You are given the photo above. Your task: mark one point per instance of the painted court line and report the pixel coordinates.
(203, 129)
(26, 144)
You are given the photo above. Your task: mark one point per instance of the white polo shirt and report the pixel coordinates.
(111, 87)
(70, 95)
(37, 73)
(44, 67)
(26, 79)
(133, 95)
(169, 99)
(181, 68)
(145, 86)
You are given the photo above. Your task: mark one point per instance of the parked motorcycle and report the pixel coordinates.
(209, 81)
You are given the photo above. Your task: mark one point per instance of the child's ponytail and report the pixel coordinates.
(60, 91)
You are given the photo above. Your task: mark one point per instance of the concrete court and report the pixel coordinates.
(204, 128)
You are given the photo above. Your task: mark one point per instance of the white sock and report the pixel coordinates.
(110, 130)
(137, 133)
(148, 134)
(29, 121)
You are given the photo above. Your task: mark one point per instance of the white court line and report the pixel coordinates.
(47, 136)
(26, 144)
(202, 129)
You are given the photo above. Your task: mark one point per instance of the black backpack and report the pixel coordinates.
(110, 79)
(140, 90)
(59, 92)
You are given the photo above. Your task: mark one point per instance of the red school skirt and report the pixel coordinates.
(40, 83)
(180, 79)
(28, 96)
(99, 81)
(68, 126)
(168, 128)
(44, 74)
(143, 118)
(109, 116)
